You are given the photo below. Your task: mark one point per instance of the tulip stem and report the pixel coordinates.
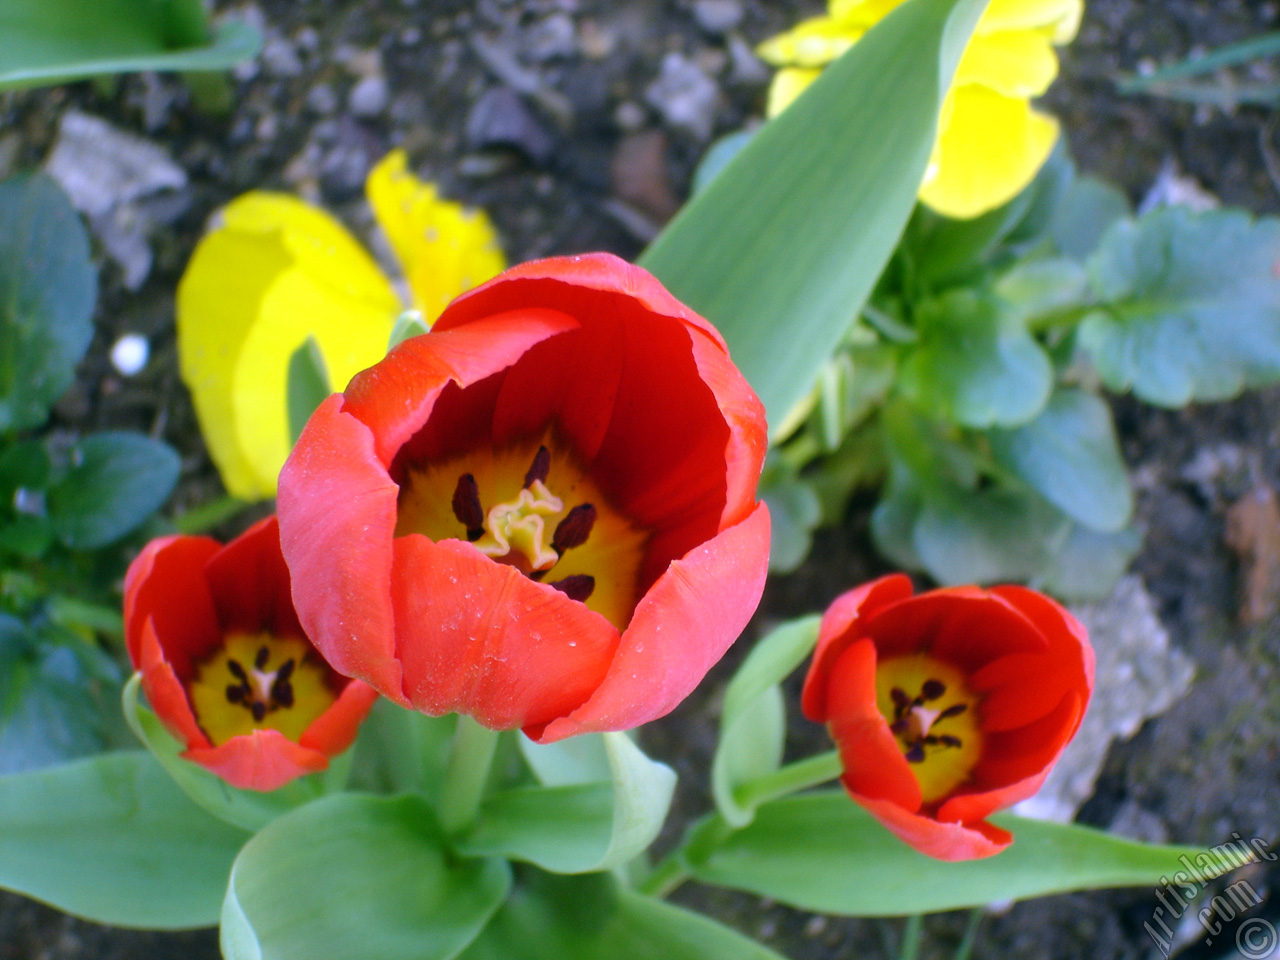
(910, 949)
(809, 772)
(466, 774)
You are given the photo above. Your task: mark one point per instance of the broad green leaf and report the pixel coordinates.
(753, 722)
(822, 852)
(1087, 210)
(1070, 455)
(794, 511)
(117, 480)
(249, 810)
(594, 918)
(717, 158)
(1189, 305)
(111, 839)
(576, 760)
(53, 41)
(576, 828)
(893, 521)
(781, 249)
(1085, 565)
(355, 875)
(975, 364)
(1034, 288)
(307, 386)
(47, 291)
(402, 750)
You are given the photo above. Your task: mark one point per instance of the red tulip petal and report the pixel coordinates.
(165, 692)
(481, 638)
(681, 627)
(396, 396)
(337, 518)
(838, 631)
(335, 729)
(166, 585)
(1064, 632)
(942, 841)
(872, 759)
(250, 583)
(262, 760)
(965, 626)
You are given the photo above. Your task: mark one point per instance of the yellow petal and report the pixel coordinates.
(811, 43)
(864, 13)
(443, 247)
(1017, 63)
(989, 148)
(788, 84)
(273, 261)
(1059, 18)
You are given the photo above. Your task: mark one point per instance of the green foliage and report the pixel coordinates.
(307, 385)
(111, 839)
(53, 41)
(823, 852)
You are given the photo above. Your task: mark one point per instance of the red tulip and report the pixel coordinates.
(542, 513)
(948, 706)
(226, 665)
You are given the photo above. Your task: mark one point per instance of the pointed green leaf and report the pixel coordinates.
(402, 750)
(593, 918)
(47, 291)
(781, 249)
(408, 324)
(111, 839)
(354, 875)
(1070, 455)
(576, 828)
(753, 721)
(308, 385)
(1190, 305)
(823, 852)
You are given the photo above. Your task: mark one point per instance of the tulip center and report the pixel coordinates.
(259, 682)
(536, 511)
(931, 712)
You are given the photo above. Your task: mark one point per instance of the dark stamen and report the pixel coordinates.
(577, 587)
(285, 671)
(234, 693)
(260, 661)
(237, 671)
(467, 507)
(259, 710)
(916, 753)
(953, 711)
(574, 529)
(900, 725)
(933, 689)
(282, 693)
(900, 700)
(949, 741)
(540, 467)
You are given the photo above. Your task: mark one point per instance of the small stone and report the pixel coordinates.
(368, 98)
(550, 38)
(129, 354)
(630, 116)
(639, 174)
(280, 58)
(322, 99)
(500, 119)
(685, 96)
(594, 41)
(717, 17)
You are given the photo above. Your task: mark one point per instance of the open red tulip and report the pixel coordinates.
(542, 513)
(947, 706)
(226, 665)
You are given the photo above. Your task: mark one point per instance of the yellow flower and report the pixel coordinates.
(277, 270)
(990, 141)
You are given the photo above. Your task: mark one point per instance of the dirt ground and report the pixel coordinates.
(576, 124)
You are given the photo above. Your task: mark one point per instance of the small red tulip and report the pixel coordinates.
(226, 665)
(947, 706)
(542, 513)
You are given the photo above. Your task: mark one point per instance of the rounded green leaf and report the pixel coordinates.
(823, 852)
(117, 480)
(991, 536)
(1089, 207)
(111, 839)
(355, 875)
(47, 291)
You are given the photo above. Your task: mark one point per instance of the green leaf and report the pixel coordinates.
(717, 158)
(594, 918)
(1085, 565)
(408, 324)
(111, 839)
(1037, 287)
(308, 385)
(1190, 305)
(1070, 455)
(54, 41)
(577, 828)
(753, 721)
(822, 852)
(402, 750)
(975, 364)
(354, 875)
(47, 291)
(781, 249)
(576, 760)
(1086, 212)
(795, 511)
(249, 810)
(117, 480)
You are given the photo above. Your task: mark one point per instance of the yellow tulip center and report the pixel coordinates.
(259, 682)
(931, 711)
(537, 512)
